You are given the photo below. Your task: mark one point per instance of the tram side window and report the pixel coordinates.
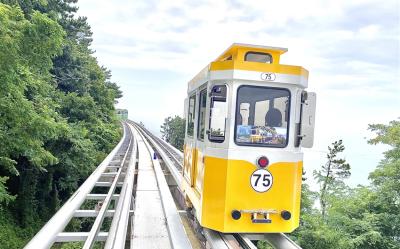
(192, 104)
(202, 115)
(262, 116)
(218, 114)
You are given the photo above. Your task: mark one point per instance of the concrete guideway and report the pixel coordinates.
(149, 229)
(156, 222)
(173, 159)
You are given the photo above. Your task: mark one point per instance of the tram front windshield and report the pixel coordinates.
(262, 116)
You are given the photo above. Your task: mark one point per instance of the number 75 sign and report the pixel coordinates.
(261, 180)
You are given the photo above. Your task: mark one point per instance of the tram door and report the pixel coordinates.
(190, 140)
(198, 162)
(194, 145)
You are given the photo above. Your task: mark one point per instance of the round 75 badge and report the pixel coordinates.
(261, 180)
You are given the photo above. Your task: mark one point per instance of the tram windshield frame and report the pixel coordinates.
(262, 116)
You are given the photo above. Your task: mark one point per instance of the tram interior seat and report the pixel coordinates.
(273, 118)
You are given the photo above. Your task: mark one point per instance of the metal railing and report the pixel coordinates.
(119, 225)
(107, 174)
(216, 240)
(168, 160)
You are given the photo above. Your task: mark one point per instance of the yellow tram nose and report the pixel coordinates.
(230, 204)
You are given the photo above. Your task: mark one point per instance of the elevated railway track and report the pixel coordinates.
(173, 159)
(134, 201)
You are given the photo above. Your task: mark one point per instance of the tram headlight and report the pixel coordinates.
(262, 161)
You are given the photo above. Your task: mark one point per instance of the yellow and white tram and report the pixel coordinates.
(246, 118)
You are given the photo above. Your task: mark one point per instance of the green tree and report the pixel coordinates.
(314, 232)
(173, 131)
(331, 175)
(385, 200)
(369, 216)
(365, 217)
(27, 115)
(166, 129)
(57, 116)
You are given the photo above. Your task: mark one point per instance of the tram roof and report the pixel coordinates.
(232, 63)
(236, 46)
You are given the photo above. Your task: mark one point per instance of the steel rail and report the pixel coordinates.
(48, 234)
(163, 142)
(173, 153)
(176, 231)
(215, 239)
(176, 174)
(119, 225)
(116, 238)
(101, 215)
(244, 241)
(276, 240)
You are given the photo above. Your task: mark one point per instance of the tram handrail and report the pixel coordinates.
(48, 234)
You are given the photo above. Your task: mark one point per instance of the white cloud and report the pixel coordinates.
(370, 31)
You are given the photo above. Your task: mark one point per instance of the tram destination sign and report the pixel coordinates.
(268, 76)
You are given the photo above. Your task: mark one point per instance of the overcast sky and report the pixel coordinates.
(351, 49)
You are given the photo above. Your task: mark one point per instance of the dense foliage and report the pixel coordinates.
(365, 217)
(173, 131)
(57, 116)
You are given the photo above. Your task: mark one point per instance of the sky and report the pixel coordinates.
(351, 49)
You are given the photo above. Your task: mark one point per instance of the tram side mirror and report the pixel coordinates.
(308, 101)
(218, 93)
